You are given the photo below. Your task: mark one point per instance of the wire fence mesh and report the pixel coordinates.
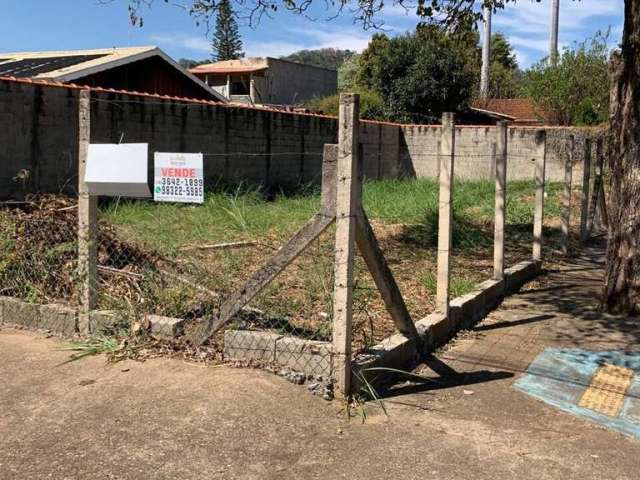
(38, 241)
(184, 261)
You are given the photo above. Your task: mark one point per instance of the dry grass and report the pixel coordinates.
(146, 270)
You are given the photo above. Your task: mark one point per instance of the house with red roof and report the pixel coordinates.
(518, 111)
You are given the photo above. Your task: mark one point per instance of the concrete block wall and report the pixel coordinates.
(39, 125)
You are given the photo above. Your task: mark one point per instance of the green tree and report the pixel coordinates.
(226, 43)
(503, 82)
(188, 63)
(371, 104)
(420, 75)
(576, 90)
(502, 52)
(331, 58)
(348, 72)
(504, 75)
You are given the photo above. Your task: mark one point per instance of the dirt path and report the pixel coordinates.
(166, 419)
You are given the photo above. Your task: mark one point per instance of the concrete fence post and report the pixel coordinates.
(87, 219)
(348, 195)
(445, 208)
(500, 156)
(538, 217)
(597, 209)
(566, 199)
(586, 180)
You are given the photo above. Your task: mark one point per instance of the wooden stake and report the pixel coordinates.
(586, 180)
(538, 218)
(602, 207)
(500, 156)
(445, 227)
(87, 219)
(566, 201)
(597, 186)
(347, 207)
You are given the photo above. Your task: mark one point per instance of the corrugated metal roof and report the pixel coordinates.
(71, 65)
(32, 67)
(66, 65)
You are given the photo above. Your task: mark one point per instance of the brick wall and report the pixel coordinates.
(38, 141)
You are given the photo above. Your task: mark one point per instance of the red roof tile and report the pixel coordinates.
(519, 109)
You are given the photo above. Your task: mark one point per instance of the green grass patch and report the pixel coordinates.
(458, 286)
(247, 213)
(238, 214)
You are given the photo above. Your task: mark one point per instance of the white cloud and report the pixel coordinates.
(526, 24)
(192, 43)
(270, 49)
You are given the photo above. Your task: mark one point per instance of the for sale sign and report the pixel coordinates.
(178, 177)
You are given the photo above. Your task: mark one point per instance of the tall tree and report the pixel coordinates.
(226, 43)
(502, 51)
(622, 282)
(574, 91)
(420, 75)
(504, 75)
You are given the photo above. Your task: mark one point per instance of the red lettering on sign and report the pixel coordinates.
(178, 172)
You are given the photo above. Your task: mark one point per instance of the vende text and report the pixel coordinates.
(178, 172)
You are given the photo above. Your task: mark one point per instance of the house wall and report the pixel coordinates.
(150, 75)
(294, 83)
(39, 128)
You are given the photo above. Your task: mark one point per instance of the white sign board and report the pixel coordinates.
(178, 177)
(117, 169)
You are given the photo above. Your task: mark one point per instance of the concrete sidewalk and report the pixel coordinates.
(167, 419)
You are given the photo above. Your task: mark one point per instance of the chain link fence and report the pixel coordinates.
(159, 262)
(38, 245)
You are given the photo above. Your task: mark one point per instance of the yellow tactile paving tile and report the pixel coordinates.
(607, 390)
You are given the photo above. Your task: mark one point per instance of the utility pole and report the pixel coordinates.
(553, 41)
(486, 53)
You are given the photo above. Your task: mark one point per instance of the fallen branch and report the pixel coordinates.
(220, 246)
(115, 271)
(64, 209)
(15, 203)
(200, 288)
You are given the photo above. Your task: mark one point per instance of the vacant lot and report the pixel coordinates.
(164, 259)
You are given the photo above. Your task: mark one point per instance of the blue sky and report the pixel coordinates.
(78, 24)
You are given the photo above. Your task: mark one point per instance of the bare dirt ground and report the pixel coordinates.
(167, 419)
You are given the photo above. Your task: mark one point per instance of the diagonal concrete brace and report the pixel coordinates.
(287, 254)
(383, 277)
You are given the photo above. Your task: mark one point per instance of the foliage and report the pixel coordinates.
(226, 43)
(348, 72)
(189, 63)
(331, 58)
(420, 75)
(502, 52)
(576, 90)
(504, 75)
(246, 213)
(366, 12)
(371, 104)
(504, 82)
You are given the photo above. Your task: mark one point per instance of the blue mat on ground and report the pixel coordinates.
(560, 377)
